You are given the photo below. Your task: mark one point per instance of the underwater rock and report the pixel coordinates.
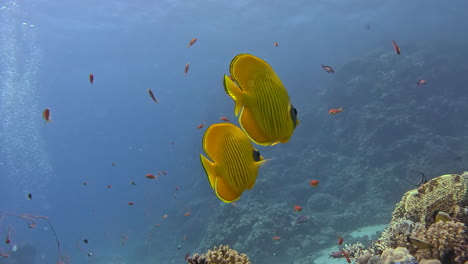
(447, 193)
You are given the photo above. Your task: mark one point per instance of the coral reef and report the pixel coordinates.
(395, 235)
(448, 193)
(447, 239)
(399, 254)
(219, 255)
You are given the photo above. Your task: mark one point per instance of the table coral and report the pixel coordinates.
(447, 193)
(219, 255)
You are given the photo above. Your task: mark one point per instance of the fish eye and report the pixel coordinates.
(294, 115)
(256, 155)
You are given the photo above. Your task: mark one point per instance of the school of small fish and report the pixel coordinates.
(266, 117)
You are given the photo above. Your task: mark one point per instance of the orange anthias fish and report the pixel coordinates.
(152, 96)
(91, 79)
(186, 68)
(346, 256)
(224, 119)
(187, 214)
(46, 115)
(165, 216)
(421, 82)
(314, 183)
(335, 111)
(192, 41)
(340, 240)
(200, 126)
(395, 46)
(275, 44)
(151, 176)
(130, 203)
(276, 238)
(297, 208)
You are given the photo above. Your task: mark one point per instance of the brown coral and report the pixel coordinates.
(399, 254)
(446, 193)
(395, 235)
(448, 240)
(219, 255)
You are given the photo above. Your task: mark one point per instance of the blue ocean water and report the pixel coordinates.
(49, 48)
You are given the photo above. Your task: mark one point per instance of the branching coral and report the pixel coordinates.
(448, 240)
(356, 250)
(219, 255)
(395, 235)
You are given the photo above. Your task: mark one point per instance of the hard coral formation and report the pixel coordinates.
(219, 255)
(448, 240)
(414, 217)
(448, 193)
(399, 254)
(395, 235)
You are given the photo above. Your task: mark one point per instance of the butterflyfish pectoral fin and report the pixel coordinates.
(225, 192)
(234, 92)
(209, 170)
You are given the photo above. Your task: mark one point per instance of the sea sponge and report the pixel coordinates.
(219, 255)
(447, 193)
(399, 254)
(448, 240)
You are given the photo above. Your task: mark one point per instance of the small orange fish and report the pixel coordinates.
(395, 46)
(346, 256)
(46, 115)
(91, 79)
(186, 68)
(275, 44)
(187, 214)
(165, 216)
(421, 82)
(340, 240)
(276, 238)
(297, 208)
(152, 96)
(192, 41)
(151, 176)
(200, 126)
(335, 111)
(234, 204)
(314, 183)
(224, 119)
(130, 203)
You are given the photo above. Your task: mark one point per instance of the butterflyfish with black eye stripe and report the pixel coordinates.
(261, 101)
(232, 164)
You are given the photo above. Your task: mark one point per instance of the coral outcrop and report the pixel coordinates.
(399, 254)
(414, 230)
(219, 255)
(447, 193)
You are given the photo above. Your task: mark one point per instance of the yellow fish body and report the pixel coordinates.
(266, 113)
(234, 163)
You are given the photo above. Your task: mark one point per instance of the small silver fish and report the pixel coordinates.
(302, 219)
